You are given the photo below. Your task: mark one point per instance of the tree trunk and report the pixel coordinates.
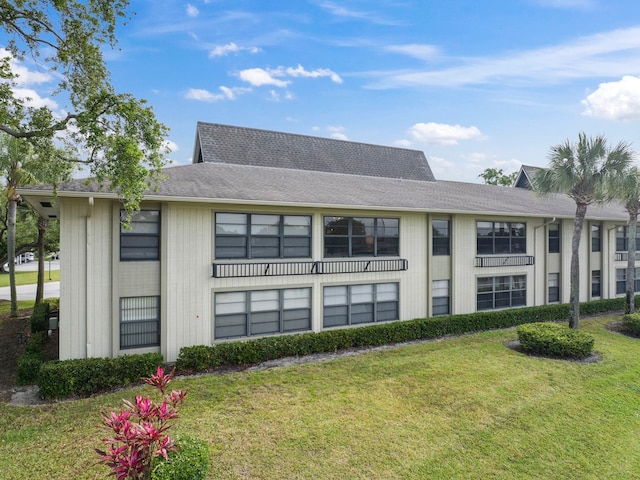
(629, 306)
(43, 224)
(574, 298)
(11, 252)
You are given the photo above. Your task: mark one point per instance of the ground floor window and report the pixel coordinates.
(441, 298)
(262, 312)
(621, 281)
(596, 289)
(357, 304)
(501, 292)
(139, 322)
(554, 287)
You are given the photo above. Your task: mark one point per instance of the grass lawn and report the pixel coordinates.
(458, 408)
(29, 278)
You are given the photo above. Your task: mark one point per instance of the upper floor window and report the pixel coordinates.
(596, 229)
(361, 237)
(141, 239)
(253, 235)
(554, 238)
(622, 238)
(441, 244)
(495, 238)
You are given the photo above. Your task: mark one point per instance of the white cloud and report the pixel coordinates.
(421, 51)
(171, 146)
(300, 71)
(222, 50)
(203, 95)
(403, 143)
(339, 136)
(582, 4)
(24, 75)
(33, 99)
(614, 53)
(258, 77)
(192, 11)
(346, 13)
(337, 132)
(615, 100)
(442, 134)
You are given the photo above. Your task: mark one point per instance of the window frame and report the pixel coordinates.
(129, 237)
(440, 304)
(553, 234)
(596, 286)
(352, 311)
(553, 290)
(255, 316)
(346, 242)
(596, 240)
(440, 245)
(622, 241)
(498, 297)
(141, 321)
(621, 281)
(489, 244)
(252, 243)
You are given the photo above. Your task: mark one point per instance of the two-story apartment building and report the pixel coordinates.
(269, 233)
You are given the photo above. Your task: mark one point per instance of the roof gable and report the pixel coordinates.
(227, 144)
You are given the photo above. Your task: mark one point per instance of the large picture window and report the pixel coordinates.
(501, 292)
(139, 322)
(441, 244)
(361, 237)
(357, 304)
(140, 240)
(262, 312)
(245, 235)
(621, 281)
(622, 238)
(496, 238)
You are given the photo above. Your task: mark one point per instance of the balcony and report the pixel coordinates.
(507, 261)
(272, 269)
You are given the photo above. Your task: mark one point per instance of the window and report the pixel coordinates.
(501, 292)
(262, 312)
(622, 238)
(441, 298)
(494, 238)
(554, 287)
(595, 283)
(621, 281)
(554, 238)
(361, 237)
(356, 304)
(244, 235)
(441, 239)
(139, 322)
(595, 237)
(141, 240)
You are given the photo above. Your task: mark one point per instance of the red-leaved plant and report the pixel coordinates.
(139, 430)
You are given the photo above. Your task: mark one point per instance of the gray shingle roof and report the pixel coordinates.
(216, 182)
(247, 146)
(525, 176)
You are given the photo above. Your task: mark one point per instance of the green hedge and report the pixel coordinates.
(86, 376)
(553, 340)
(31, 360)
(631, 324)
(190, 462)
(40, 317)
(204, 357)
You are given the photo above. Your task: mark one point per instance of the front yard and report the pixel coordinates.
(465, 407)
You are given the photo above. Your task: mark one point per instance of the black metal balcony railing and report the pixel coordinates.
(624, 256)
(231, 270)
(510, 261)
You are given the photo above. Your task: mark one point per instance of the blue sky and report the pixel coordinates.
(473, 84)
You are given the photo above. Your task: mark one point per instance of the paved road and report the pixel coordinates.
(28, 292)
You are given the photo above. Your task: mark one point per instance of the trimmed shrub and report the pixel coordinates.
(29, 365)
(189, 462)
(40, 317)
(553, 340)
(631, 324)
(87, 376)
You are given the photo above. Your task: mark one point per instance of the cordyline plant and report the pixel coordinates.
(139, 430)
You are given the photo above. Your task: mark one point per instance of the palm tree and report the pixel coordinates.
(582, 170)
(627, 189)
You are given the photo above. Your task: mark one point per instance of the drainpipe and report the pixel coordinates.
(89, 278)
